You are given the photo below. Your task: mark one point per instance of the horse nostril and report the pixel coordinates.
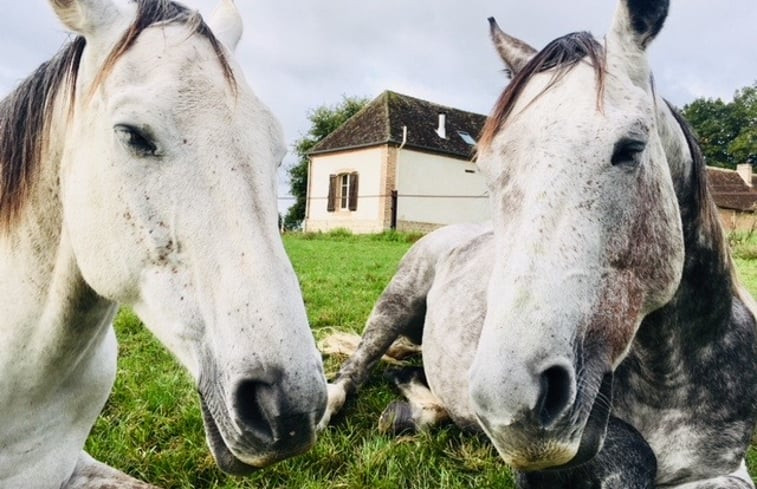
(251, 414)
(554, 395)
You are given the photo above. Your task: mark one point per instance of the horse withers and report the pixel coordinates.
(596, 331)
(137, 167)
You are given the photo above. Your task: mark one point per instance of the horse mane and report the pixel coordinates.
(24, 118)
(26, 114)
(562, 54)
(698, 207)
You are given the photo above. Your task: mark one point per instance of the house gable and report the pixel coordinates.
(383, 121)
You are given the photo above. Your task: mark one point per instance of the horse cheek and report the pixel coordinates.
(619, 316)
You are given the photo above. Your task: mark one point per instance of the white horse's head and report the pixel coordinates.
(588, 235)
(168, 191)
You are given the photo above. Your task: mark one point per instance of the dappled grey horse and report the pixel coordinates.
(596, 331)
(137, 167)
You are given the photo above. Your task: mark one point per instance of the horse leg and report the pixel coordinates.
(399, 312)
(626, 461)
(91, 474)
(421, 410)
(737, 480)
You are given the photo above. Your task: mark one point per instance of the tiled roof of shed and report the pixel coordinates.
(382, 120)
(729, 191)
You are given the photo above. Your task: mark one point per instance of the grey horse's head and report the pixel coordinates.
(588, 234)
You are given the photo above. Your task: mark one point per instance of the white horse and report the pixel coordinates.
(596, 333)
(138, 168)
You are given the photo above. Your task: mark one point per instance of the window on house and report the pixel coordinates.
(343, 192)
(465, 136)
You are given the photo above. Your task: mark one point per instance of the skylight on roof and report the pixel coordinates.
(466, 137)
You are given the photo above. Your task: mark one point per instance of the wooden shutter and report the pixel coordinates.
(331, 203)
(353, 191)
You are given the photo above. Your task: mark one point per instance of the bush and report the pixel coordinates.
(743, 245)
(397, 237)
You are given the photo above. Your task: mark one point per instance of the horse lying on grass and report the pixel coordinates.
(137, 167)
(596, 332)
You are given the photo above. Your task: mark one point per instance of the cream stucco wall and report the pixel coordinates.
(368, 218)
(435, 189)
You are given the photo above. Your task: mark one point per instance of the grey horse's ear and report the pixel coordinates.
(226, 24)
(515, 53)
(635, 25)
(639, 21)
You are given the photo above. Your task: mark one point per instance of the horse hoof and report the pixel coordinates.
(337, 395)
(397, 419)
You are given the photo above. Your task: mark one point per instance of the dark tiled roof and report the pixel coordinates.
(729, 191)
(382, 120)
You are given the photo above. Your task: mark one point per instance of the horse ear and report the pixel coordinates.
(515, 53)
(635, 25)
(85, 17)
(638, 22)
(226, 24)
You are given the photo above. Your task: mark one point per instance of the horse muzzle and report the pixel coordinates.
(262, 424)
(559, 427)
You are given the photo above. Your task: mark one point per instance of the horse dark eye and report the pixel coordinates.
(628, 152)
(136, 140)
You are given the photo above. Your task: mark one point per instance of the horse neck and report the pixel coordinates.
(700, 310)
(48, 305)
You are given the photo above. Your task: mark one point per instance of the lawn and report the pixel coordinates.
(152, 427)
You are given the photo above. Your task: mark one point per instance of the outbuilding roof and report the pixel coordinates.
(382, 121)
(730, 191)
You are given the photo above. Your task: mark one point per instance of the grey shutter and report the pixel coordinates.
(331, 204)
(353, 191)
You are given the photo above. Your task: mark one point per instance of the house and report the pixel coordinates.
(735, 196)
(400, 163)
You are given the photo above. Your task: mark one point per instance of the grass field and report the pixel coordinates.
(152, 427)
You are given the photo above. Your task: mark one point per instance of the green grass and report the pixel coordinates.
(152, 427)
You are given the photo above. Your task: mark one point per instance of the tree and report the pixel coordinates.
(727, 132)
(744, 146)
(323, 121)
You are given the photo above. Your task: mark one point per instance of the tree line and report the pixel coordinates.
(727, 131)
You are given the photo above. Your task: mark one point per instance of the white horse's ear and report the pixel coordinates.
(635, 25)
(226, 24)
(515, 53)
(85, 17)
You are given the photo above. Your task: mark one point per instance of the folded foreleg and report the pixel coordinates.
(421, 410)
(91, 474)
(737, 480)
(399, 312)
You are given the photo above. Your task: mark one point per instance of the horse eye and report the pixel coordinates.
(136, 140)
(627, 152)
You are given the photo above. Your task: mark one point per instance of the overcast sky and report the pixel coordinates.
(300, 54)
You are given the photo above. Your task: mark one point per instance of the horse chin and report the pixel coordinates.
(595, 430)
(222, 454)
